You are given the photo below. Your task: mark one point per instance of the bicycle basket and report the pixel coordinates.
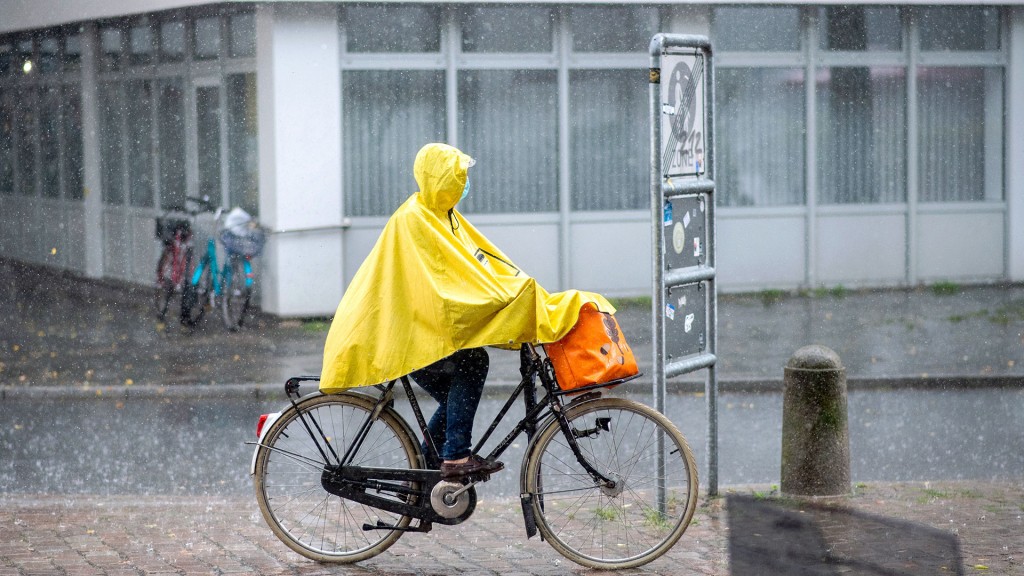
(248, 244)
(166, 228)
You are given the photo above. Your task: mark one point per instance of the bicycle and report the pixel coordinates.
(175, 261)
(243, 240)
(232, 285)
(609, 483)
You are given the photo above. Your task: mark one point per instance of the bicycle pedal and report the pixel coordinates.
(474, 478)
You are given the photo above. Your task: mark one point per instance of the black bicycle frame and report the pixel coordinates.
(354, 482)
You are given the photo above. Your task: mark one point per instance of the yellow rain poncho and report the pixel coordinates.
(432, 285)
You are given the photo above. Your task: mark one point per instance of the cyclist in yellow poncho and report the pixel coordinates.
(430, 295)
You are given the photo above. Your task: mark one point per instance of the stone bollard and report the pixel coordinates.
(815, 436)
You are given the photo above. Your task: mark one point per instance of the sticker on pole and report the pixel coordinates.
(683, 132)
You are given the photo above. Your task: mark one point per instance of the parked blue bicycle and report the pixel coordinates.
(232, 285)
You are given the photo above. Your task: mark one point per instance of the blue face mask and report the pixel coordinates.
(465, 191)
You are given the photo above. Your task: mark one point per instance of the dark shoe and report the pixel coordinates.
(475, 465)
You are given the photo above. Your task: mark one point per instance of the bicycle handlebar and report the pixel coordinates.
(204, 203)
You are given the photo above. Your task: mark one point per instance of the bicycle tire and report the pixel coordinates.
(235, 294)
(611, 528)
(307, 518)
(195, 297)
(164, 283)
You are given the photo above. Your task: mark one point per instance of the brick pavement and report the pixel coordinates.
(918, 528)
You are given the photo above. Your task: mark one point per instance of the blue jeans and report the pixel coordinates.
(456, 382)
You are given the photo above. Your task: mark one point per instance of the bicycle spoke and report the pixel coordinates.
(307, 518)
(618, 525)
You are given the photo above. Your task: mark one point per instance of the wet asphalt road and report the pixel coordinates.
(85, 371)
(60, 330)
(186, 446)
(73, 333)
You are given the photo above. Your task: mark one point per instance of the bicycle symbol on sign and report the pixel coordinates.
(683, 112)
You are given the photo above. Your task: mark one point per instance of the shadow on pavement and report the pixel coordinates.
(804, 539)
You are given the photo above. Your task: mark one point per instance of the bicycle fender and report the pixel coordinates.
(568, 409)
(272, 419)
(526, 500)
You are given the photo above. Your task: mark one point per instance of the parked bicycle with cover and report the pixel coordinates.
(229, 287)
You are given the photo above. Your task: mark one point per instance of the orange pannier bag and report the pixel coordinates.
(593, 352)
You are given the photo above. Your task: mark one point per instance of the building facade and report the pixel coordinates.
(857, 144)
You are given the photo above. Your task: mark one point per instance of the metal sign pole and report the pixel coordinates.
(657, 260)
(684, 294)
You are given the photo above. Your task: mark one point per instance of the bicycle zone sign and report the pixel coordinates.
(682, 114)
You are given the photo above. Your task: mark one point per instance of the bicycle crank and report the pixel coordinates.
(453, 499)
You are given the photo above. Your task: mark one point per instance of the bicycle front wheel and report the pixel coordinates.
(289, 468)
(195, 296)
(642, 515)
(236, 294)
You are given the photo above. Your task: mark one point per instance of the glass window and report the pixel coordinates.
(243, 157)
(172, 41)
(960, 28)
(171, 134)
(862, 135)
(111, 47)
(393, 28)
(612, 28)
(138, 114)
(26, 56)
(507, 29)
(140, 44)
(49, 141)
(859, 28)
(508, 121)
(7, 65)
(26, 131)
(111, 142)
(206, 38)
(73, 166)
(6, 141)
(243, 35)
(756, 29)
(389, 115)
(955, 139)
(760, 140)
(610, 135)
(49, 55)
(208, 140)
(73, 51)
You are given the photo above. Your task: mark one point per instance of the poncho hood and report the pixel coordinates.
(441, 172)
(429, 288)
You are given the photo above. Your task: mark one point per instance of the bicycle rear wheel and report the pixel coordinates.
(289, 468)
(164, 283)
(236, 294)
(623, 526)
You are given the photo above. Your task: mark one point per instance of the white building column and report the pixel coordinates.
(1014, 164)
(298, 90)
(92, 182)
